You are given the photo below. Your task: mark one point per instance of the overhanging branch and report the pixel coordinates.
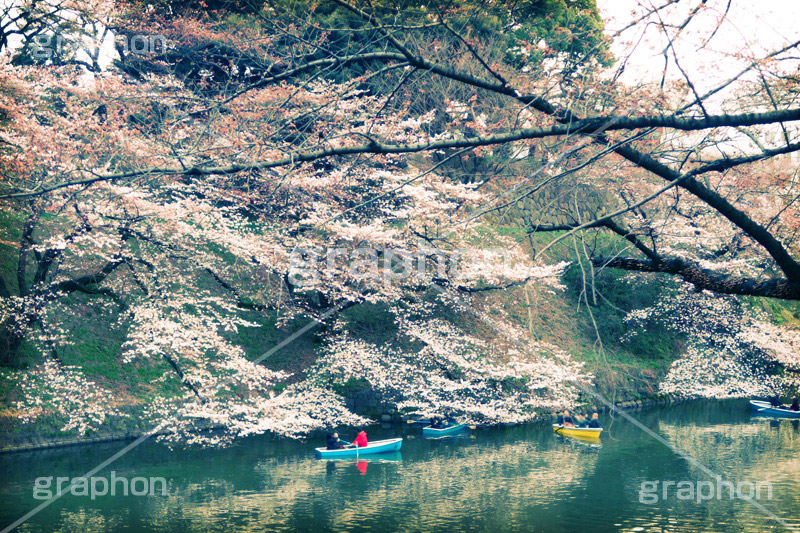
(707, 279)
(576, 127)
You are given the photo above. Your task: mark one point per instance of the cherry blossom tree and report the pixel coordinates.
(178, 260)
(55, 32)
(733, 351)
(292, 166)
(694, 155)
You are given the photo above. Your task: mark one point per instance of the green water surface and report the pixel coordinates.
(510, 479)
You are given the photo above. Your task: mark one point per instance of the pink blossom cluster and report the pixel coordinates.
(445, 368)
(733, 351)
(56, 390)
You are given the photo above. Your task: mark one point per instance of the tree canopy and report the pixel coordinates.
(300, 158)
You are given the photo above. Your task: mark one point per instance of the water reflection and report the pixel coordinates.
(592, 443)
(514, 479)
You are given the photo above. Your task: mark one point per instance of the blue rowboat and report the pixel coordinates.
(429, 431)
(385, 457)
(764, 408)
(378, 446)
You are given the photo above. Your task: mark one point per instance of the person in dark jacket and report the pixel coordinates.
(449, 419)
(566, 420)
(795, 404)
(595, 421)
(775, 401)
(333, 441)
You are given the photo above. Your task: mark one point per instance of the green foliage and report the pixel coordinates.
(614, 298)
(373, 323)
(295, 357)
(7, 382)
(96, 348)
(781, 312)
(574, 28)
(350, 387)
(306, 30)
(632, 365)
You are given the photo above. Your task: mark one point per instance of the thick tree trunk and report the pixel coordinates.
(10, 342)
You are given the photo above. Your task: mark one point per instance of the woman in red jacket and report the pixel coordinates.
(361, 439)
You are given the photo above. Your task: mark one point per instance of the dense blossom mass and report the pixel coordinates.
(733, 351)
(170, 246)
(449, 370)
(250, 176)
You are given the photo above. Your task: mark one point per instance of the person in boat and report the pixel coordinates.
(436, 422)
(595, 421)
(361, 439)
(333, 441)
(775, 401)
(580, 420)
(795, 404)
(449, 419)
(567, 421)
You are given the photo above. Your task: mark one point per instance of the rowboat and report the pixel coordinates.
(585, 433)
(377, 446)
(765, 408)
(429, 431)
(384, 457)
(590, 442)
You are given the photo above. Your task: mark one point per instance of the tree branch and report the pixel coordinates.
(84, 282)
(707, 279)
(589, 126)
(240, 302)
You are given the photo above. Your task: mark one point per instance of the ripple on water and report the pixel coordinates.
(519, 479)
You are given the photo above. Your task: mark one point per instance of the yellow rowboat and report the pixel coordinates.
(581, 433)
